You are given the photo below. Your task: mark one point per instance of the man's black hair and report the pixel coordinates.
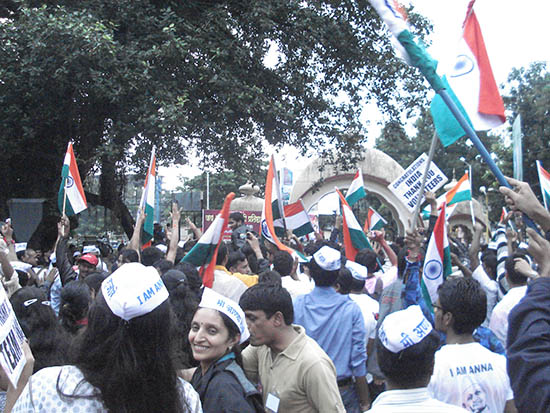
(222, 253)
(466, 301)
(348, 283)
(411, 367)
(150, 255)
(129, 255)
(283, 263)
(367, 258)
(236, 216)
(163, 265)
(270, 277)
(511, 273)
(489, 258)
(234, 258)
(268, 298)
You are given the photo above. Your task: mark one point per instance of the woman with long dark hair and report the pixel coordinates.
(217, 330)
(123, 360)
(47, 339)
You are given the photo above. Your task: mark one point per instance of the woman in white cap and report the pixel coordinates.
(123, 360)
(217, 329)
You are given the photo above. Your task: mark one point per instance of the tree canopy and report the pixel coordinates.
(189, 78)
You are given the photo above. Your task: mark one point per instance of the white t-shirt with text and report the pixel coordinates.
(472, 377)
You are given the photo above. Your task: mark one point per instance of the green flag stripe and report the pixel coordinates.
(303, 230)
(356, 196)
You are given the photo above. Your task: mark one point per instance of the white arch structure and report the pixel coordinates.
(379, 170)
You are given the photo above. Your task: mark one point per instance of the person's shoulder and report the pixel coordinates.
(189, 394)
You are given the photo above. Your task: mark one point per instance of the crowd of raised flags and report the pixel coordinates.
(467, 99)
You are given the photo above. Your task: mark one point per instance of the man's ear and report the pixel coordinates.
(337, 287)
(278, 319)
(448, 319)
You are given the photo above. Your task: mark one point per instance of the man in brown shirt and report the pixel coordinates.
(295, 373)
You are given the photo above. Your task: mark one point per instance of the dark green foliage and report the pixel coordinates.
(188, 77)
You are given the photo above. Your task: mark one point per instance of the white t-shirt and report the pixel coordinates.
(369, 308)
(499, 317)
(491, 291)
(472, 377)
(44, 396)
(296, 288)
(411, 401)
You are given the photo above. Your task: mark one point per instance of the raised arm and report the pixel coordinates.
(197, 232)
(475, 246)
(7, 233)
(379, 236)
(175, 236)
(66, 272)
(135, 241)
(7, 269)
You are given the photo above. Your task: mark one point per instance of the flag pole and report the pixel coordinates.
(480, 147)
(470, 178)
(433, 145)
(64, 196)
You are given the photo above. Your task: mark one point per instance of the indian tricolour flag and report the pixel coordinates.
(297, 219)
(356, 190)
(271, 225)
(374, 221)
(471, 84)
(437, 263)
(462, 191)
(544, 178)
(71, 199)
(147, 203)
(354, 237)
(205, 251)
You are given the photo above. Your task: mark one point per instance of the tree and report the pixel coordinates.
(189, 78)
(404, 149)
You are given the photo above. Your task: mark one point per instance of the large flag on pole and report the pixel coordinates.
(544, 178)
(356, 190)
(374, 221)
(354, 237)
(71, 193)
(147, 203)
(297, 219)
(437, 264)
(205, 251)
(472, 86)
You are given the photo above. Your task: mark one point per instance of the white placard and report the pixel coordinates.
(407, 186)
(12, 358)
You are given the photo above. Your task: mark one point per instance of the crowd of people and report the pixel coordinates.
(138, 330)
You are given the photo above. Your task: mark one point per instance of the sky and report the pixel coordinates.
(516, 33)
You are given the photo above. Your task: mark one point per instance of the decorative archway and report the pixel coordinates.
(379, 170)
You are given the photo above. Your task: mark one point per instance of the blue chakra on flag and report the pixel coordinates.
(433, 270)
(463, 66)
(70, 181)
(265, 229)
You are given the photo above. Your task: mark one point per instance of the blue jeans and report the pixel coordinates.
(350, 399)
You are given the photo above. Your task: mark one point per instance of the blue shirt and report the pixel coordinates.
(336, 323)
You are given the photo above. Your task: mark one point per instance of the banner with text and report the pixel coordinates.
(251, 219)
(407, 186)
(12, 358)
